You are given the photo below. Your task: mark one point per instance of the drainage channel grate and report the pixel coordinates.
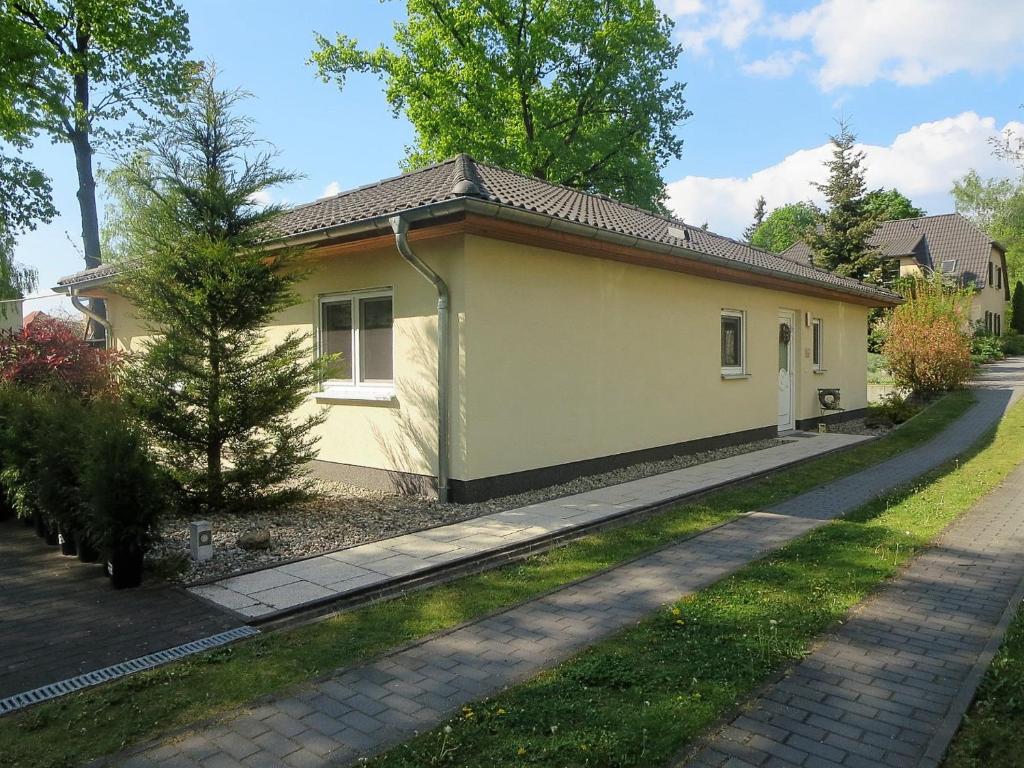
(72, 684)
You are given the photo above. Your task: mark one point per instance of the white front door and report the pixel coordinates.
(786, 371)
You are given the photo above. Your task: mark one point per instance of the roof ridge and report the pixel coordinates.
(379, 182)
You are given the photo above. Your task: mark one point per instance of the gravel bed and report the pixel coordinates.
(342, 516)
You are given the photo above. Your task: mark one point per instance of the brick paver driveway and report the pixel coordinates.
(60, 618)
(359, 711)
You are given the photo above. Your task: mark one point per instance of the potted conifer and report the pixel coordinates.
(122, 490)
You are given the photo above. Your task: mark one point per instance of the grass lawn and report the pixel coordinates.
(638, 698)
(76, 728)
(992, 733)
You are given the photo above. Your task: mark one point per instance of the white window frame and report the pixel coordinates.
(356, 388)
(729, 371)
(818, 347)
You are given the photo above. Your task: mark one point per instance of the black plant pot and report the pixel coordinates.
(52, 535)
(40, 525)
(87, 552)
(67, 542)
(125, 567)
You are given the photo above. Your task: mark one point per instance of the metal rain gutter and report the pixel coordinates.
(76, 301)
(400, 225)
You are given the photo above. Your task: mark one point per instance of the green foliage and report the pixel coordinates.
(893, 408)
(1013, 344)
(890, 204)
(840, 244)
(785, 225)
(926, 348)
(217, 396)
(985, 346)
(576, 92)
(119, 482)
(759, 211)
(1017, 308)
(997, 207)
(56, 446)
(20, 420)
(76, 71)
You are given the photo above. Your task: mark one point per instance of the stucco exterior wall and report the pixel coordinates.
(990, 298)
(559, 358)
(399, 434)
(570, 357)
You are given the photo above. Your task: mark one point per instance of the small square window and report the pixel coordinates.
(948, 266)
(817, 341)
(357, 327)
(732, 342)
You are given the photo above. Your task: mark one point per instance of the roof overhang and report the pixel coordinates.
(492, 219)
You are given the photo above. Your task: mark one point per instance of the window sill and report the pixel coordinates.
(731, 376)
(356, 395)
(819, 371)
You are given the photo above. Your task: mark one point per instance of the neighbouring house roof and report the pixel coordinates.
(948, 241)
(465, 180)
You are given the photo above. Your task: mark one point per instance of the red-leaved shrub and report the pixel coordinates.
(927, 347)
(51, 352)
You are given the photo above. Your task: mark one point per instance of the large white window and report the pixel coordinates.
(733, 342)
(817, 344)
(358, 327)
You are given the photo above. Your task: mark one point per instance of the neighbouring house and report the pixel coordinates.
(568, 333)
(10, 316)
(948, 242)
(33, 316)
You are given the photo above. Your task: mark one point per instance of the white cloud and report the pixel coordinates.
(679, 8)
(729, 22)
(909, 42)
(262, 198)
(921, 162)
(858, 42)
(777, 65)
(331, 189)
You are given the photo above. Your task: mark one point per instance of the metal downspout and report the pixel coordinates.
(85, 310)
(401, 228)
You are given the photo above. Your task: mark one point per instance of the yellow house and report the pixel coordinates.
(500, 333)
(949, 242)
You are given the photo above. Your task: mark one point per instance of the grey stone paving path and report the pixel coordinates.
(363, 709)
(891, 686)
(272, 591)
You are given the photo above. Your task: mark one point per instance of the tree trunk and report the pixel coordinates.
(87, 195)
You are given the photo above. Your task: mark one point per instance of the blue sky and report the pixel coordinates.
(924, 82)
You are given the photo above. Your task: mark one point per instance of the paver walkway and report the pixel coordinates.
(890, 687)
(361, 710)
(60, 618)
(271, 591)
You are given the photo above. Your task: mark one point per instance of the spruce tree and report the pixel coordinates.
(217, 393)
(840, 244)
(759, 211)
(1017, 308)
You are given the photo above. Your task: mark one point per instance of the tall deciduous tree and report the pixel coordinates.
(785, 225)
(75, 69)
(997, 207)
(218, 395)
(841, 242)
(25, 202)
(577, 92)
(890, 204)
(759, 211)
